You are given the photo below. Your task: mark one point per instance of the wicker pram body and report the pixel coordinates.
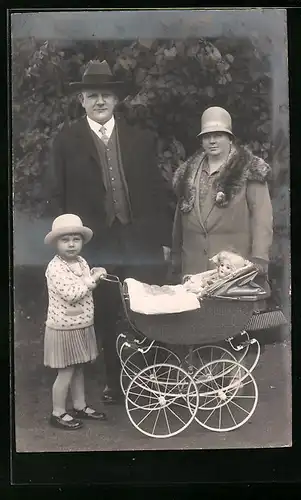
(216, 320)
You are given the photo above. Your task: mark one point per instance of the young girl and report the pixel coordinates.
(69, 335)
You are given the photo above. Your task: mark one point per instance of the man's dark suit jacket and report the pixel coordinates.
(76, 186)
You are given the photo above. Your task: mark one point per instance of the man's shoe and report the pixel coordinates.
(89, 415)
(110, 397)
(60, 423)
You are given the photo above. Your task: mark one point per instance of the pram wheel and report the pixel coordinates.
(228, 395)
(142, 358)
(162, 400)
(200, 356)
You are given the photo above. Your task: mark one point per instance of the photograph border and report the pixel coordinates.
(134, 466)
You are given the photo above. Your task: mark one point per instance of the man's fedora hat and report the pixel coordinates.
(97, 75)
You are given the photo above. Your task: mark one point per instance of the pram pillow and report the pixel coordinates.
(154, 299)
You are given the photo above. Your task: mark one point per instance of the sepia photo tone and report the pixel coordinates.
(151, 232)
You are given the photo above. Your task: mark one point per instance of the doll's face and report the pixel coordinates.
(69, 246)
(228, 263)
(225, 268)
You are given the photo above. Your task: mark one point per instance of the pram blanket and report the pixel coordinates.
(154, 299)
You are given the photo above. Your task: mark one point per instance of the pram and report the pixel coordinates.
(212, 381)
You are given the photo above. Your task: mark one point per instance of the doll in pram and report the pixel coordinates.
(212, 381)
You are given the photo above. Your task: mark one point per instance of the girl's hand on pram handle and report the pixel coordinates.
(108, 277)
(98, 273)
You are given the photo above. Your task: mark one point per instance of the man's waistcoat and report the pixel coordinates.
(116, 199)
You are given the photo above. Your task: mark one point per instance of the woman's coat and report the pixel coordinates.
(236, 214)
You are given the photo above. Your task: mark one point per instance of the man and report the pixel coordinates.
(105, 172)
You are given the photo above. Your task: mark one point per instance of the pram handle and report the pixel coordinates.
(111, 277)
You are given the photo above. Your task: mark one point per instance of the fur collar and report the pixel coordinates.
(241, 166)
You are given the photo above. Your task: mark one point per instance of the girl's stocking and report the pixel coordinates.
(60, 390)
(78, 388)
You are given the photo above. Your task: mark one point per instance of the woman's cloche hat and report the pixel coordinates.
(68, 224)
(96, 76)
(216, 119)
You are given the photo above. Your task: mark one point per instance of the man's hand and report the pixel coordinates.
(167, 253)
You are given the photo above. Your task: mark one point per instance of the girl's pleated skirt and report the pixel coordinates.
(64, 348)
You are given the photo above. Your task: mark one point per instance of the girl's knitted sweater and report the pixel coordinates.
(70, 296)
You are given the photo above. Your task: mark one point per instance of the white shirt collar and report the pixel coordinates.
(109, 125)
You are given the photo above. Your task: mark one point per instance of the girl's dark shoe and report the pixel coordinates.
(88, 415)
(59, 422)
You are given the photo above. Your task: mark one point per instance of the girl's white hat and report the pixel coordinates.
(68, 224)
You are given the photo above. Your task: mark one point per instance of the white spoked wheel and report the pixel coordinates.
(203, 355)
(228, 395)
(162, 400)
(138, 360)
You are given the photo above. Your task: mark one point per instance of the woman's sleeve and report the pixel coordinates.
(261, 219)
(68, 287)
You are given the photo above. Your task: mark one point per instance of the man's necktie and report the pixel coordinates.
(104, 136)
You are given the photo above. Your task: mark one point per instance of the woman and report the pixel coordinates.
(223, 200)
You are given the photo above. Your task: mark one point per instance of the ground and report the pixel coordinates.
(270, 425)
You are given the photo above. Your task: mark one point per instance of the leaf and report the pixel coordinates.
(229, 58)
(127, 51)
(213, 52)
(139, 99)
(193, 50)
(266, 127)
(126, 63)
(221, 80)
(180, 46)
(170, 53)
(210, 92)
(140, 75)
(239, 87)
(153, 70)
(160, 51)
(146, 42)
(191, 89)
(159, 58)
(177, 149)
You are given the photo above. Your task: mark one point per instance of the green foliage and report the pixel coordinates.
(170, 84)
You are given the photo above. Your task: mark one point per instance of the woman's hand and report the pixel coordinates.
(261, 265)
